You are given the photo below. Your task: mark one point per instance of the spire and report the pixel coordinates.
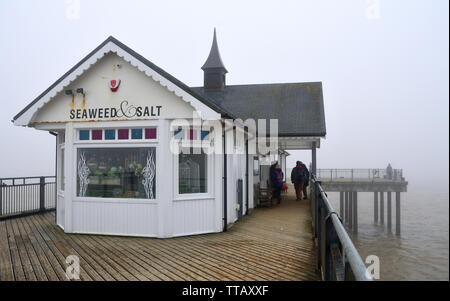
(214, 60)
(213, 69)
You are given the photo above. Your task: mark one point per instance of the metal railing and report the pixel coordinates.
(337, 257)
(373, 174)
(25, 195)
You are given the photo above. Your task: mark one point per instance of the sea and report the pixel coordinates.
(421, 252)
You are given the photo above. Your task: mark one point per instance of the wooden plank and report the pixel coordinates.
(88, 264)
(251, 257)
(62, 249)
(189, 264)
(235, 272)
(119, 259)
(29, 248)
(40, 251)
(21, 251)
(6, 266)
(148, 260)
(113, 266)
(53, 255)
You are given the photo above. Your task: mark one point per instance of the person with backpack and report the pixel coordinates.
(298, 176)
(276, 178)
(305, 180)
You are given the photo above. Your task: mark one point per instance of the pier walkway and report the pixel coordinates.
(380, 182)
(269, 244)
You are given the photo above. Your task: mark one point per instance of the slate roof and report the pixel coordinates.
(297, 106)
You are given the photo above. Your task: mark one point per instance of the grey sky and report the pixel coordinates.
(385, 80)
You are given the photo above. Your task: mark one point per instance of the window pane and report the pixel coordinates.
(110, 134)
(204, 135)
(116, 172)
(97, 134)
(178, 133)
(150, 133)
(136, 134)
(123, 134)
(84, 134)
(192, 173)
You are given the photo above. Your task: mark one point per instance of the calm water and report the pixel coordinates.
(422, 250)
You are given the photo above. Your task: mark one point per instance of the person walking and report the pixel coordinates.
(276, 178)
(298, 178)
(305, 172)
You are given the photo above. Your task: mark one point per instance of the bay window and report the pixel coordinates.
(116, 172)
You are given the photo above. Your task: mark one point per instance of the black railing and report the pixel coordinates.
(25, 195)
(337, 257)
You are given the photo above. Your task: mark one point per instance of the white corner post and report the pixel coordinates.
(70, 176)
(313, 158)
(164, 192)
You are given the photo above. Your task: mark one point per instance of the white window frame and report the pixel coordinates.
(116, 140)
(209, 172)
(114, 145)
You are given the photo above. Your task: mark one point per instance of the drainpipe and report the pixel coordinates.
(225, 221)
(246, 176)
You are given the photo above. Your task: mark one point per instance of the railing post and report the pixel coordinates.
(318, 226)
(375, 206)
(42, 194)
(312, 195)
(323, 242)
(389, 210)
(329, 240)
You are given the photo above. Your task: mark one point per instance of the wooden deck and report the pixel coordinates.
(270, 244)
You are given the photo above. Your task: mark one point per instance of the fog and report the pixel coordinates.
(384, 72)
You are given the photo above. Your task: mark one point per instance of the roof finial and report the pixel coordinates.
(214, 60)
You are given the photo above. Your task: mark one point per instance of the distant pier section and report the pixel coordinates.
(381, 182)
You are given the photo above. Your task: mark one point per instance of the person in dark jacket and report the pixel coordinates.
(276, 179)
(298, 177)
(305, 180)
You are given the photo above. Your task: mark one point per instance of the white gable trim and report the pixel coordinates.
(27, 117)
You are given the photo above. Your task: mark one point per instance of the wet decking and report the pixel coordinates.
(269, 244)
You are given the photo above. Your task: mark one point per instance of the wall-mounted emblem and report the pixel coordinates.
(114, 84)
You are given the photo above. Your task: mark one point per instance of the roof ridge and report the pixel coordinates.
(266, 84)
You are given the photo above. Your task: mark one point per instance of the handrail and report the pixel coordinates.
(25, 195)
(357, 174)
(338, 258)
(33, 177)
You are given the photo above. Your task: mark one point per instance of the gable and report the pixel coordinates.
(139, 97)
(208, 108)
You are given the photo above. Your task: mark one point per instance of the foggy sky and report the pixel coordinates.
(385, 80)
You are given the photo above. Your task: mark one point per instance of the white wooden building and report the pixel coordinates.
(112, 115)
